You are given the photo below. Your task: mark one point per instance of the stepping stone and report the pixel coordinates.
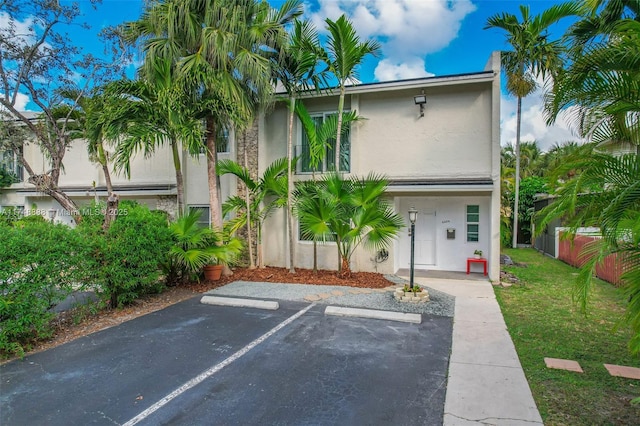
(337, 293)
(354, 291)
(622, 371)
(312, 298)
(563, 364)
(324, 295)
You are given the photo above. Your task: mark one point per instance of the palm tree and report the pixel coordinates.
(601, 87)
(606, 194)
(345, 52)
(297, 72)
(351, 212)
(532, 55)
(319, 136)
(151, 112)
(90, 121)
(264, 195)
(224, 48)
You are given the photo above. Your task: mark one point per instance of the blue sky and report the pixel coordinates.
(419, 38)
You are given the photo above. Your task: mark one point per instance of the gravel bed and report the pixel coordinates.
(441, 304)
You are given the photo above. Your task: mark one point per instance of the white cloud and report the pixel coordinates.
(533, 126)
(386, 70)
(407, 29)
(21, 101)
(17, 30)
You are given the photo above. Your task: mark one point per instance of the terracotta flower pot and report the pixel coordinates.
(212, 272)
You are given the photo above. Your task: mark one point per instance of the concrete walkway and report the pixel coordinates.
(486, 383)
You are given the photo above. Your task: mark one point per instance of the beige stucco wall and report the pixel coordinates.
(458, 137)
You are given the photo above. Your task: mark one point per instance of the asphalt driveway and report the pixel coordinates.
(195, 364)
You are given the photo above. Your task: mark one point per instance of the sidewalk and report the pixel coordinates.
(486, 383)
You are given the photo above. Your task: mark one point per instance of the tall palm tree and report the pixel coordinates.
(153, 111)
(264, 195)
(297, 71)
(223, 47)
(90, 120)
(533, 55)
(318, 136)
(345, 52)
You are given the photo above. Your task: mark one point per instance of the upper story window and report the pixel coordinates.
(327, 162)
(222, 140)
(10, 164)
(473, 223)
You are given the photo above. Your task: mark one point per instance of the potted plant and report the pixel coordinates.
(199, 248)
(477, 254)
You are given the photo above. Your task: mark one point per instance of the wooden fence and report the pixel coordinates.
(570, 252)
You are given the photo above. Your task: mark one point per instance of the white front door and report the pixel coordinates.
(425, 238)
(425, 241)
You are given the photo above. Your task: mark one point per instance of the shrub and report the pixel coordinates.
(126, 259)
(40, 263)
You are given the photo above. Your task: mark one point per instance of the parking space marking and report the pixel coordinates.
(372, 313)
(242, 303)
(216, 368)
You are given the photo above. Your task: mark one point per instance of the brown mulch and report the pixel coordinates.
(78, 323)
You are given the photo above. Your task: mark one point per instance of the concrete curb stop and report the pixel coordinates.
(240, 303)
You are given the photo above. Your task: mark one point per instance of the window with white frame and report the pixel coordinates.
(473, 223)
(327, 163)
(205, 217)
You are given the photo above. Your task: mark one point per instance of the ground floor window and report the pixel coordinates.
(205, 216)
(473, 223)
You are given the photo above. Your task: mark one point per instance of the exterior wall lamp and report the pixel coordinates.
(52, 214)
(413, 215)
(420, 100)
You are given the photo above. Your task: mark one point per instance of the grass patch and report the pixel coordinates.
(544, 322)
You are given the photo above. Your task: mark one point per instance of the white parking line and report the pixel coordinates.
(213, 370)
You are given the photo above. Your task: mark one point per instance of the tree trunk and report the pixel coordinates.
(215, 194)
(315, 257)
(517, 176)
(179, 180)
(340, 109)
(259, 245)
(104, 162)
(345, 269)
(292, 240)
(111, 212)
(45, 183)
(252, 264)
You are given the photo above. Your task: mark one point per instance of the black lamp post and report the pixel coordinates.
(413, 215)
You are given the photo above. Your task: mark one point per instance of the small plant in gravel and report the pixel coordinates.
(416, 289)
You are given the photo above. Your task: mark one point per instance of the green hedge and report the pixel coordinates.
(42, 263)
(39, 265)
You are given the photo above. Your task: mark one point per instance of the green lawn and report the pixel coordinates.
(544, 322)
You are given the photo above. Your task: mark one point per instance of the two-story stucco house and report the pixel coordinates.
(444, 161)
(443, 158)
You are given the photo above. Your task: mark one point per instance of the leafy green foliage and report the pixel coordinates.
(40, 263)
(350, 212)
(529, 187)
(125, 261)
(196, 246)
(6, 178)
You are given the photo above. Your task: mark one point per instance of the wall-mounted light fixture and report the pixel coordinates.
(420, 100)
